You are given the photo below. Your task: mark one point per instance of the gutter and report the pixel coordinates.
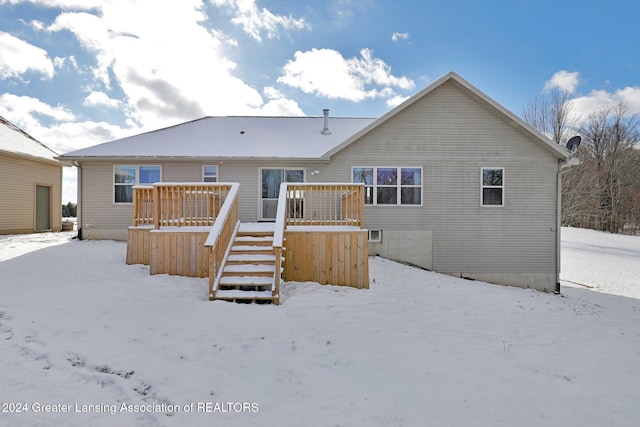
(79, 204)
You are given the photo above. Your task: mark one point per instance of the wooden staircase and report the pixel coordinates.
(248, 271)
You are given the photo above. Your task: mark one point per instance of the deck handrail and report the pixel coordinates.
(178, 204)
(278, 238)
(187, 203)
(142, 205)
(221, 236)
(324, 204)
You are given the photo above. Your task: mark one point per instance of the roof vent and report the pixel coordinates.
(326, 130)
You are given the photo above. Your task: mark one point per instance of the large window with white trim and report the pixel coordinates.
(492, 187)
(126, 176)
(390, 185)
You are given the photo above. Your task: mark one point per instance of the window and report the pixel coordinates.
(390, 185)
(492, 188)
(125, 177)
(365, 176)
(375, 236)
(210, 173)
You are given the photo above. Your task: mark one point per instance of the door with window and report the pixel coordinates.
(270, 180)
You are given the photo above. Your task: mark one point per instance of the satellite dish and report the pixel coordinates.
(573, 143)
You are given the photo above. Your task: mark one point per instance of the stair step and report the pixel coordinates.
(248, 249)
(257, 227)
(255, 240)
(237, 294)
(250, 258)
(246, 280)
(248, 270)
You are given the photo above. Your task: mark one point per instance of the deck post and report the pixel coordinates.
(156, 207)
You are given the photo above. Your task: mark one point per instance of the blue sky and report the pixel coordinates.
(75, 73)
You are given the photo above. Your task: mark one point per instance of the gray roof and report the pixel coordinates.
(280, 137)
(15, 140)
(233, 137)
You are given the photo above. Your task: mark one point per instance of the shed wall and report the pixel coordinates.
(19, 177)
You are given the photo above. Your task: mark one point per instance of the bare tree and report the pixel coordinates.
(610, 137)
(551, 115)
(603, 191)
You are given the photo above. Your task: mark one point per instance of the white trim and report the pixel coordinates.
(398, 185)
(137, 177)
(377, 240)
(482, 186)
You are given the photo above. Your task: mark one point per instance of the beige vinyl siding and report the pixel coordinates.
(103, 219)
(452, 136)
(19, 177)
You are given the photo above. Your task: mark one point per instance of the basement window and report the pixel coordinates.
(375, 236)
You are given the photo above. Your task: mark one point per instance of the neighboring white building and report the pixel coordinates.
(455, 183)
(30, 183)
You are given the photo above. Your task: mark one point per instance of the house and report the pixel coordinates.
(30, 183)
(452, 181)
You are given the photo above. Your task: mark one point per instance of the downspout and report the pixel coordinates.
(558, 223)
(79, 204)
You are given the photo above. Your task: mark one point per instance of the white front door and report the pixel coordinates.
(270, 180)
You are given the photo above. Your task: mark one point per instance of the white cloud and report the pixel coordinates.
(163, 79)
(326, 72)
(255, 21)
(101, 98)
(278, 105)
(596, 100)
(17, 57)
(399, 36)
(281, 107)
(272, 93)
(396, 100)
(65, 135)
(563, 80)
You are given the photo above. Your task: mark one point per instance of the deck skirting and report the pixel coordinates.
(138, 245)
(180, 253)
(327, 257)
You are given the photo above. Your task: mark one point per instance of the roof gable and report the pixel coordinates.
(16, 141)
(553, 148)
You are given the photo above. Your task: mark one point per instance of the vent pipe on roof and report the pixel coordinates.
(326, 130)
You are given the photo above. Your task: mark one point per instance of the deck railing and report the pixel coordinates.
(324, 204)
(178, 204)
(304, 204)
(278, 238)
(221, 236)
(142, 212)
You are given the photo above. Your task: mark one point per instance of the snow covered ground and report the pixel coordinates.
(84, 333)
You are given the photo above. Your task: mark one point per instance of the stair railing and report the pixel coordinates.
(278, 240)
(221, 237)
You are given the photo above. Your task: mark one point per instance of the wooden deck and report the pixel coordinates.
(192, 229)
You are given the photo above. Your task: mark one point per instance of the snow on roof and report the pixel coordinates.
(234, 137)
(15, 140)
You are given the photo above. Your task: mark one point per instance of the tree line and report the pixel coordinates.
(602, 191)
(70, 210)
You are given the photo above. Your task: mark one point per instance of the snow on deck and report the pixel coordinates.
(257, 226)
